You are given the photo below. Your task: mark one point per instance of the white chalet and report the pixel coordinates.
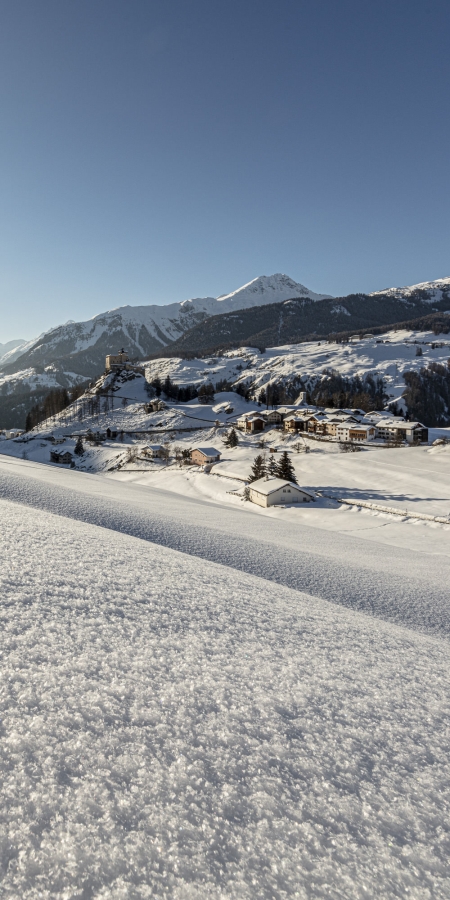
(277, 492)
(155, 451)
(353, 431)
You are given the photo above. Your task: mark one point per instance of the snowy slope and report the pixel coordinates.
(388, 356)
(173, 727)
(431, 291)
(10, 351)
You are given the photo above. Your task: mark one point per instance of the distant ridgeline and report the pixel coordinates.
(301, 319)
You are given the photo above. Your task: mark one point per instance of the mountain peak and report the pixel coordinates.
(269, 289)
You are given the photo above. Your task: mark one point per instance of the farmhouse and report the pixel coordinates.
(154, 406)
(64, 459)
(277, 492)
(155, 451)
(251, 422)
(202, 455)
(255, 423)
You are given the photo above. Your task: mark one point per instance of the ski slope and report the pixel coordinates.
(177, 727)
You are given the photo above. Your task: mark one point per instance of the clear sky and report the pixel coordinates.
(154, 151)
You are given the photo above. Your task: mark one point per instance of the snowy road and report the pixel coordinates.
(391, 583)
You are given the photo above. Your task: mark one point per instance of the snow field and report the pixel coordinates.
(173, 728)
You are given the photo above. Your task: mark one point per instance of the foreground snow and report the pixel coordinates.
(175, 728)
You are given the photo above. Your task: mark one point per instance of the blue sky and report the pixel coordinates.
(154, 151)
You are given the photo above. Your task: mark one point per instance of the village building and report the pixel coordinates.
(154, 405)
(13, 433)
(64, 459)
(286, 410)
(155, 451)
(351, 431)
(273, 416)
(293, 424)
(396, 429)
(255, 423)
(203, 455)
(277, 492)
(251, 422)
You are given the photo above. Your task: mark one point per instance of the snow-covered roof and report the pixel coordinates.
(208, 451)
(267, 486)
(154, 447)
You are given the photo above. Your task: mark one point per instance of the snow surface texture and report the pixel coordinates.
(174, 729)
(393, 583)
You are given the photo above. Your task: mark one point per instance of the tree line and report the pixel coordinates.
(53, 403)
(427, 395)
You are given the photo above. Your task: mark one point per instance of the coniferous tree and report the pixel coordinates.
(79, 449)
(156, 384)
(231, 439)
(285, 469)
(272, 466)
(258, 468)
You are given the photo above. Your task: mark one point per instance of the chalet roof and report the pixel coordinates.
(208, 451)
(267, 486)
(154, 447)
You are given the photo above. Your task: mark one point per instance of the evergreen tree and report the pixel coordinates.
(258, 468)
(79, 449)
(231, 439)
(285, 469)
(156, 384)
(272, 466)
(206, 393)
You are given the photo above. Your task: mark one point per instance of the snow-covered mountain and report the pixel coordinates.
(146, 329)
(263, 290)
(429, 291)
(10, 351)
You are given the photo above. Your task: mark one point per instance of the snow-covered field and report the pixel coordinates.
(388, 356)
(176, 727)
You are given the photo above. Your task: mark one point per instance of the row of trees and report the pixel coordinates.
(172, 391)
(278, 468)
